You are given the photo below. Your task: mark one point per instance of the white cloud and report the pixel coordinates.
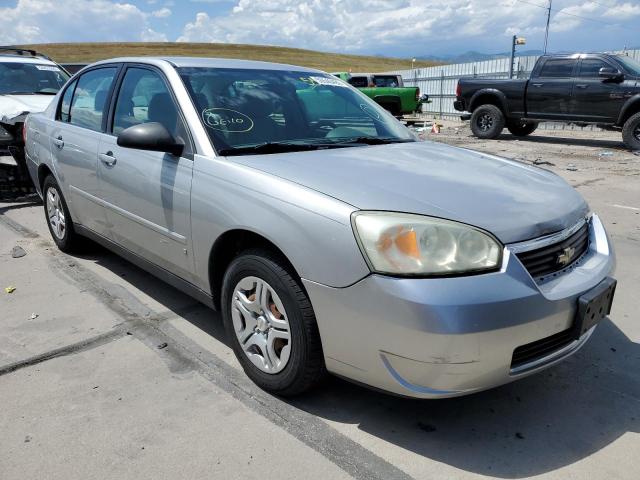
(398, 26)
(162, 13)
(41, 21)
(359, 25)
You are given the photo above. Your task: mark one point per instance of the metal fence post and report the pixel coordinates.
(441, 91)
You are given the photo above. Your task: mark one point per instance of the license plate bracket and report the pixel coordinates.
(594, 306)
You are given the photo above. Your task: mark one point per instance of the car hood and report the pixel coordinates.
(14, 105)
(512, 200)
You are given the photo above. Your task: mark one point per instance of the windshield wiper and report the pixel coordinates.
(372, 140)
(276, 147)
(42, 92)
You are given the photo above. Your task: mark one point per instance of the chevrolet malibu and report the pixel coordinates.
(330, 239)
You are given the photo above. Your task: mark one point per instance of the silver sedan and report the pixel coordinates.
(329, 237)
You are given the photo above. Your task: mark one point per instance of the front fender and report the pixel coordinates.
(632, 104)
(313, 230)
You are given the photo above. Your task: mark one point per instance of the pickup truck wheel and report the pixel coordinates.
(58, 217)
(271, 324)
(631, 132)
(522, 129)
(487, 121)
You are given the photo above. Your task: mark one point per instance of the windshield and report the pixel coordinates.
(630, 64)
(30, 78)
(275, 111)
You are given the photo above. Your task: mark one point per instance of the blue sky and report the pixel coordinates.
(389, 27)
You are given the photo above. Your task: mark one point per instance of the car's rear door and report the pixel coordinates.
(550, 88)
(74, 139)
(596, 99)
(147, 194)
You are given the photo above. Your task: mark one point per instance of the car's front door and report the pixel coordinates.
(596, 98)
(147, 194)
(74, 144)
(549, 91)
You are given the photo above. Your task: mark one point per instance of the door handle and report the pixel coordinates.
(58, 142)
(582, 85)
(537, 84)
(108, 159)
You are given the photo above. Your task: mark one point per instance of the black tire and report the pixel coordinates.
(631, 132)
(305, 367)
(487, 122)
(522, 128)
(69, 241)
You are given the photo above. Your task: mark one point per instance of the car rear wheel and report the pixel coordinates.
(58, 217)
(271, 324)
(487, 121)
(522, 128)
(631, 132)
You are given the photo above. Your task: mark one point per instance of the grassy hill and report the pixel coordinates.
(332, 62)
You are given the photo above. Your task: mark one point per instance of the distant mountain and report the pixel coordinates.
(473, 56)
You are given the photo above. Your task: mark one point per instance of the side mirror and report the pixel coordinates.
(424, 98)
(609, 73)
(152, 136)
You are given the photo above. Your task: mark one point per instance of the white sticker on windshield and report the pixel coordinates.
(227, 120)
(332, 81)
(47, 68)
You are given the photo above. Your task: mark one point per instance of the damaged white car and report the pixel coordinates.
(28, 83)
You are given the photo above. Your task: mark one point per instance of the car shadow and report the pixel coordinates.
(530, 427)
(568, 140)
(526, 428)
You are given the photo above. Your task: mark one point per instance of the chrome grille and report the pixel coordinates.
(558, 256)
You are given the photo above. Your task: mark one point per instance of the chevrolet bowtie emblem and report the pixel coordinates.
(566, 256)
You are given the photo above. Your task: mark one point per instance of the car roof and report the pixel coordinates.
(205, 62)
(24, 59)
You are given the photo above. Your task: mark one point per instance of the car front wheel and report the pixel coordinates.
(271, 324)
(631, 132)
(487, 122)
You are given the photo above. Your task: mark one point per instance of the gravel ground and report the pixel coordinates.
(601, 153)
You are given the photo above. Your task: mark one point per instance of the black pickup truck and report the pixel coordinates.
(583, 89)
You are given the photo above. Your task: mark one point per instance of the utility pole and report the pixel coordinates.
(514, 42)
(546, 35)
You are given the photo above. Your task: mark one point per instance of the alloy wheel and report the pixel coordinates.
(636, 132)
(55, 213)
(485, 122)
(261, 324)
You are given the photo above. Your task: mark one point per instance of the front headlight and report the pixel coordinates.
(406, 244)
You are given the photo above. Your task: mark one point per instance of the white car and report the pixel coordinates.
(28, 83)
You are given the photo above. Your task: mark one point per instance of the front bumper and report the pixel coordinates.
(432, 338)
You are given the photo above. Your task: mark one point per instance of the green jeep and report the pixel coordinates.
(387, 90)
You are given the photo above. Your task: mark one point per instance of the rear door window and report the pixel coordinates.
(558, 68)
(386, 81)
(65, 104)
(90, 98)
